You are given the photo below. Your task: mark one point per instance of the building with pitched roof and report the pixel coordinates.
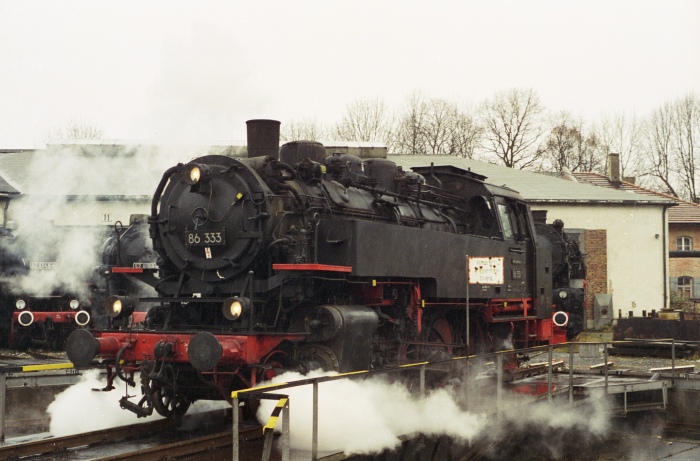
(683, 236)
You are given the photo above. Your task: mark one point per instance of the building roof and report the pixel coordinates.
(110, 169)
(6, 188)
(683, 213)
(536, 188)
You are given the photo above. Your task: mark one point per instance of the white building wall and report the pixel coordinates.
(636, 248)
(76, 212)
(99, 212)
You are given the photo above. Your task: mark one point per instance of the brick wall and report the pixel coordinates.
(683, 230)
(596, 265)
(684, 267)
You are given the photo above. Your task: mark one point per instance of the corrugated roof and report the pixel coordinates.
(683, 213)
(111, 170)
(535, 187)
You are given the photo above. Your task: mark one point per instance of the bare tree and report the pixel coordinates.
(76, 129)
(365, 120)
(513, 126)
(436, 127)
(686, 138)
(622, 134)
(309, 130)
(658, 146)
(569, 145)
(466, 135)
(409, 134)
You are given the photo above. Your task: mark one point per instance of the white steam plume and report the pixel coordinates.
(59, 217)
(79, 408)
(361, 417)
(368, 416)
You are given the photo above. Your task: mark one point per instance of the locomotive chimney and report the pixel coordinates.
(614, 168)
(263, 138)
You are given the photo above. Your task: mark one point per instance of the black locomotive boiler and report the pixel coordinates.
(292, 260)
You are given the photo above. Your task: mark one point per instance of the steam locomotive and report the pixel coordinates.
(29, 314)
(294, 260)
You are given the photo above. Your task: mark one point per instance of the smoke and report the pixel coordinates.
(82, 409)
(362, 417)
(359, 417)
(71, 197)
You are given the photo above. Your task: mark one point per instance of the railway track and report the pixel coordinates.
(146, 441)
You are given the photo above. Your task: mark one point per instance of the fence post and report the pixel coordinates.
(549, 374)
(3, 395)
(235, 424)
(605, 355)
(673, 360)
(286, 435)
(571, 373)
(314, 435)
(422, 380)
(499, 384)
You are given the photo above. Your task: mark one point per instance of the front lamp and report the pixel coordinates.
(234, 307)
(195, 172)
(119, 307)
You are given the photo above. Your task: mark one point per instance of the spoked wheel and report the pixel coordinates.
(439, 336)
(434, 344)
(168, 401)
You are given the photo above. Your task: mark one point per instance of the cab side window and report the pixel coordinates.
(506, 215)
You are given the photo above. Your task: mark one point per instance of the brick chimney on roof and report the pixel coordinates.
(614, 168)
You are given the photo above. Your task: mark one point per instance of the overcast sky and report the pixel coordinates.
(196, 70)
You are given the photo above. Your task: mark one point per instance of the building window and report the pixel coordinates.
(684, 243)
(685, 287)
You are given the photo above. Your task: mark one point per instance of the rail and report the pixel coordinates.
(263, 392)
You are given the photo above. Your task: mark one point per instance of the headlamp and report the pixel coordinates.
(195, 172)
(234, 307)
(119, 307)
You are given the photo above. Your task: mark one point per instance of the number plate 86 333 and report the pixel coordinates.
(204, 238)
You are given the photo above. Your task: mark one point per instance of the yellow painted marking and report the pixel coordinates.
(374, 283)
(239, 195)
(272, 422)
(422, 303)
(234, 394)
(413, 364)
(349, 373)
(47, 366)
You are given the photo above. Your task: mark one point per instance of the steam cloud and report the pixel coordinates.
(59, 219)
(363, 417)
(81, 409)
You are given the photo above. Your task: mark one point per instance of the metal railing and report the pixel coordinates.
(264, 392)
